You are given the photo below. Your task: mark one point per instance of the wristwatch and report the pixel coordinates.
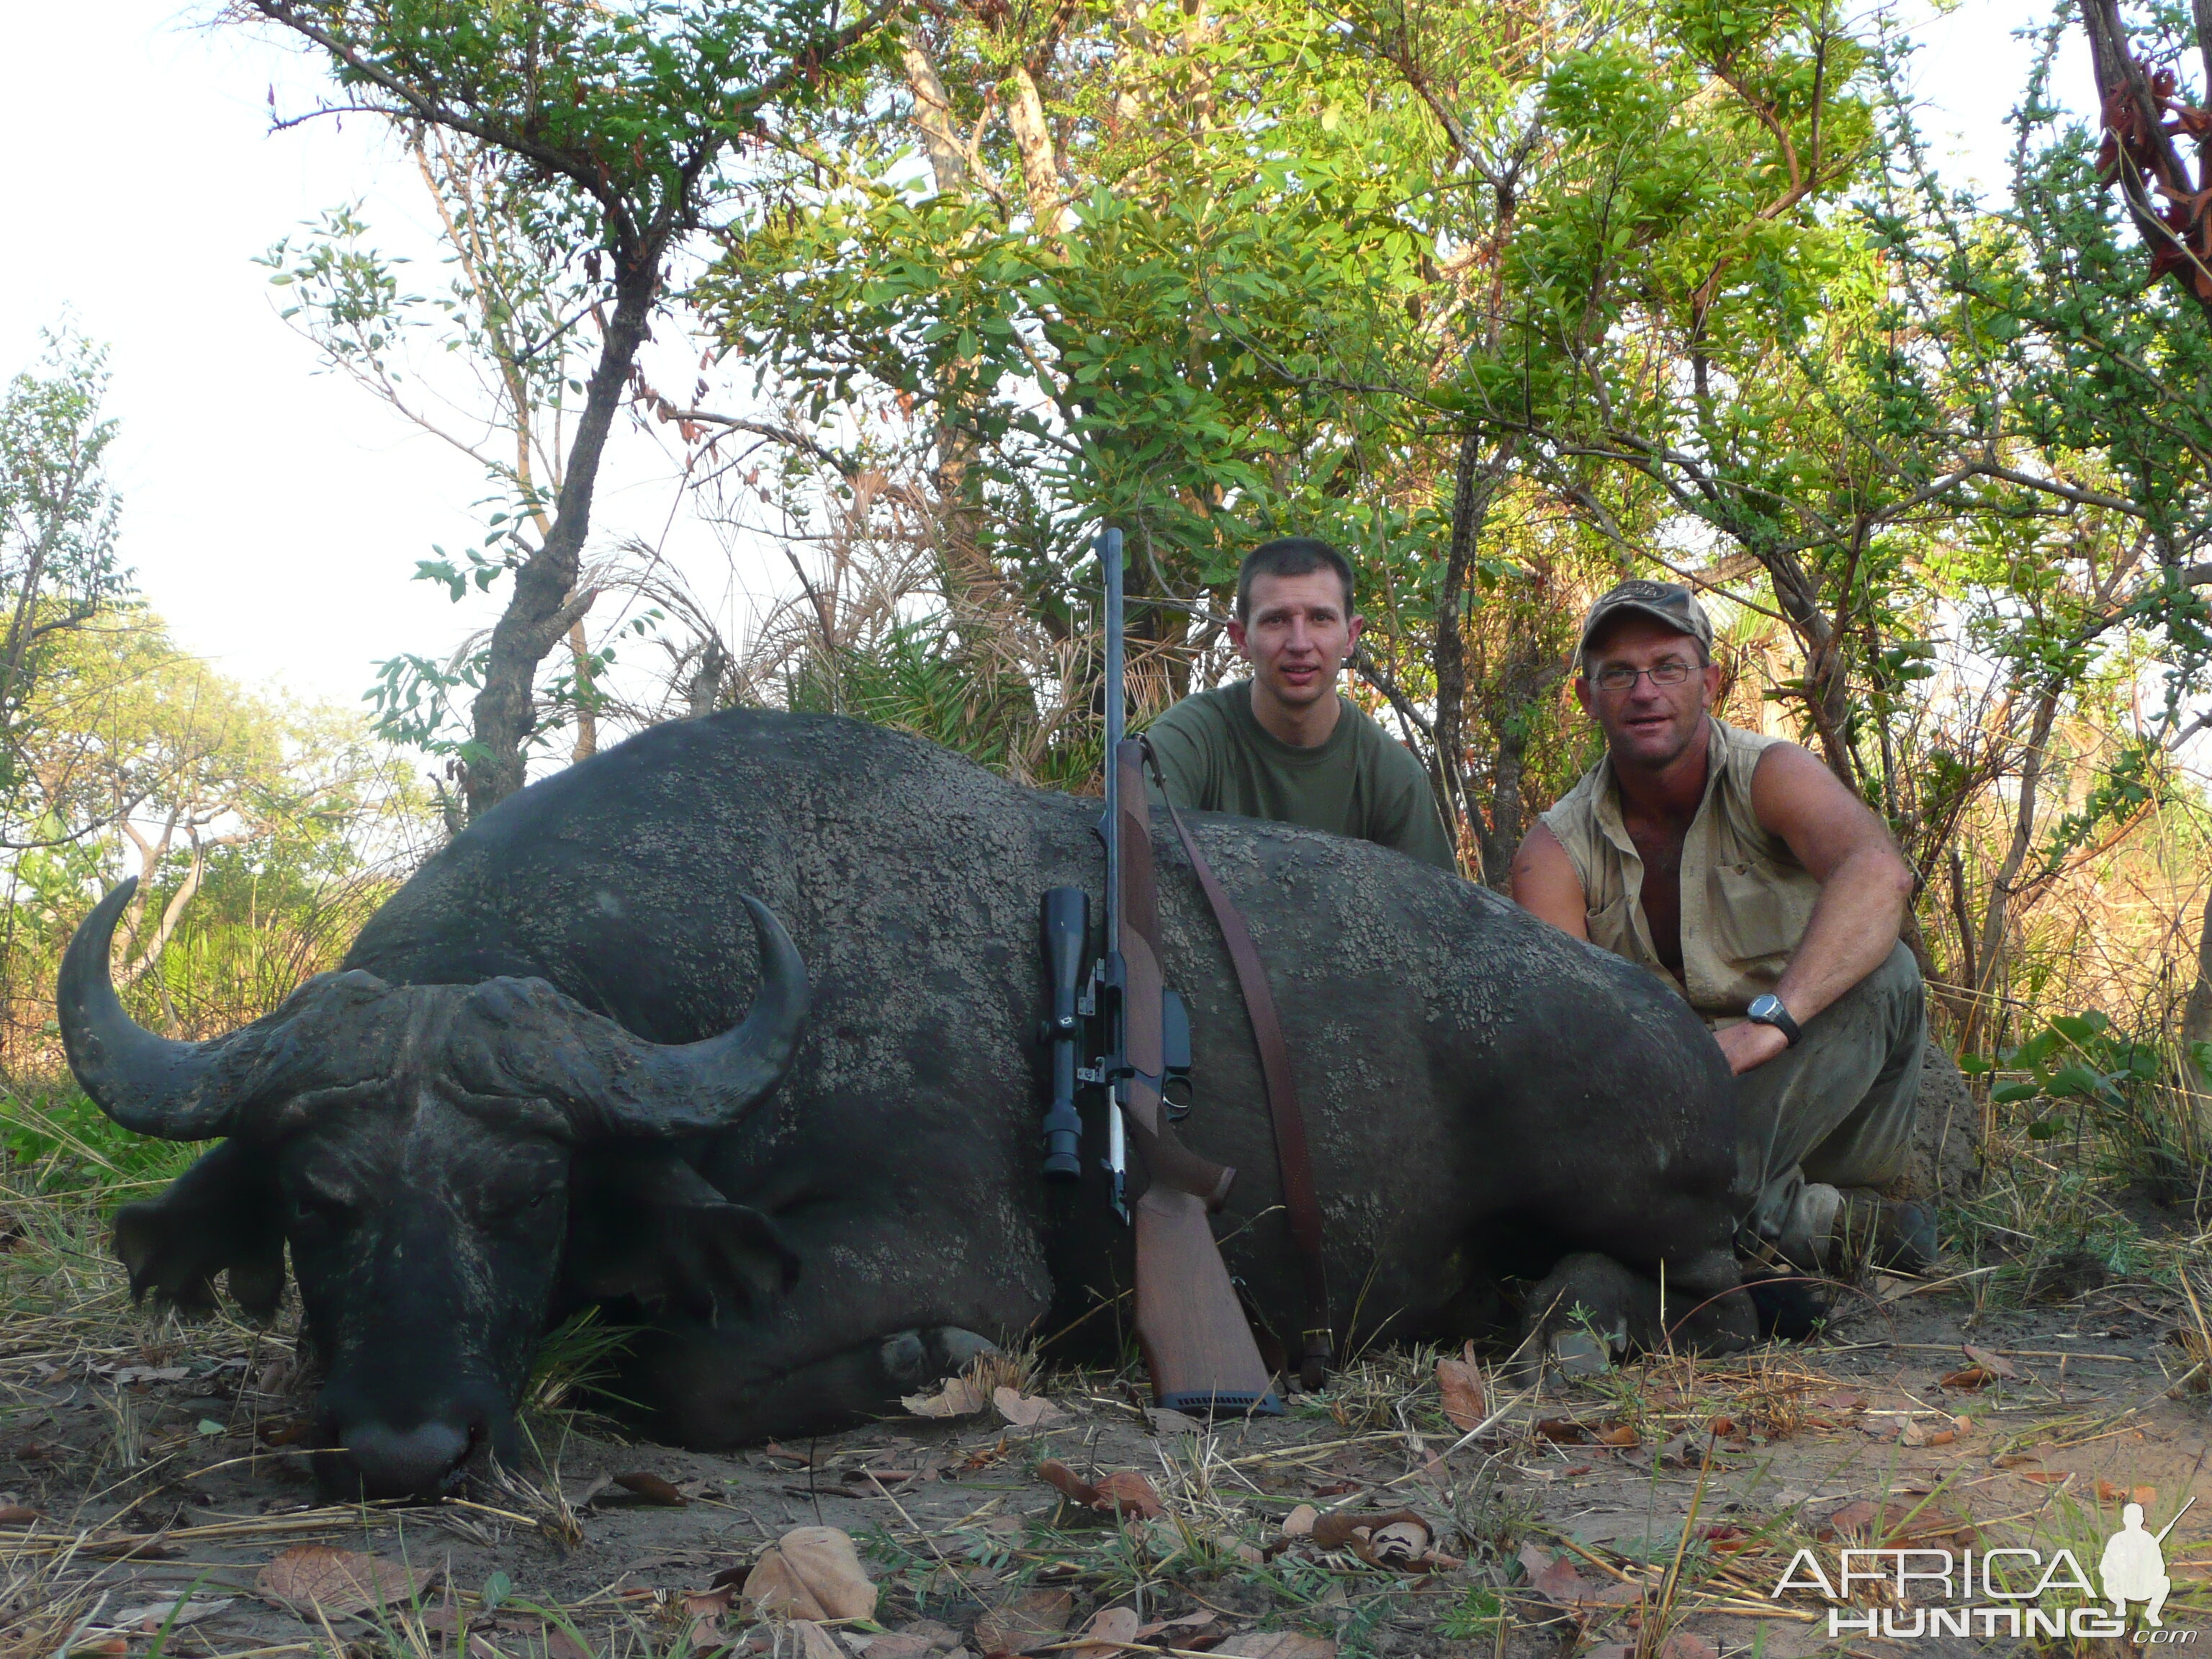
(1768, 1010)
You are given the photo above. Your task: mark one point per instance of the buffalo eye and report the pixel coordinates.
(320, 1214)
(521, 1203)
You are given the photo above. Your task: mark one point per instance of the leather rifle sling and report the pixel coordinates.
(1317, 1344)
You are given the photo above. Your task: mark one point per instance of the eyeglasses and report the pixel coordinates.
(1619, 677)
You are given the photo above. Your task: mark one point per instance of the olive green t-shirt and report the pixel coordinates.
(1360, 782)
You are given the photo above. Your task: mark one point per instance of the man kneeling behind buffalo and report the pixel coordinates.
(1740, 870)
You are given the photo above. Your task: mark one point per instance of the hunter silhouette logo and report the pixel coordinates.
(2009, 1590)
(2133, 1567)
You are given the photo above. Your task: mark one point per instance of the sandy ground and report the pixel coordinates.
(153, 1453)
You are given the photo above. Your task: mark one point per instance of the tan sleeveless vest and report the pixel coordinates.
(1746, 899)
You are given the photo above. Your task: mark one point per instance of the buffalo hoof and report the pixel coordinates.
(910, 1358)
(1790, 1309)
(1590, 1311)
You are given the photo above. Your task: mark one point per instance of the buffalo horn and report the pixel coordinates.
(690, 1088)
(150, 1084)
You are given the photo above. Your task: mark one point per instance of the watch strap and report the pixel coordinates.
(1769, 1010)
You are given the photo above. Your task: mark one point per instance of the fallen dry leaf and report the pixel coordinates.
(1619, 1434)
(1189, 1621)
(1277, 1645)
(905, 1645)
(154, 1614)
(937, 1634)
(1334, 1530)
(1688, 1645)
(2015, 1460)
(1459, 1383)
(982, 1457)
(812, 1572)
(1066, 1481)
(309, 1577)
(1123, 1492)
(2109, 1493)
(1561, 1431)
(1299, 1522)
(1996, 1364)
(957, 1398)
(1722, 1427)
(15, 1515)
(1895, 1524)
(1229, 1544)
(1971, 1376)
(1553, 1577)
(1112, 1629)
(1942, 1433)
(816, 1642)
(653, 1489)
(709, 1603)
(1033, 1619)
(1125, 1489)
(1025, 1412)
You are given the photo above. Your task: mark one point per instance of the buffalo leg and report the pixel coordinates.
(1590, 1311)
(700, 1399)
(221, 1215)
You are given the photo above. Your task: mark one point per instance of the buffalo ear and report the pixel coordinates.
(653, 1230)
(220, 1216)
(703, 1258)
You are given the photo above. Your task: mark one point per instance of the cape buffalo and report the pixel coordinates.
(530, 1090)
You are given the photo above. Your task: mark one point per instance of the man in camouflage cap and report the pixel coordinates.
(1740, 870)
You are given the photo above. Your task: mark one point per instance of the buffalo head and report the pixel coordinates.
(446, 1162)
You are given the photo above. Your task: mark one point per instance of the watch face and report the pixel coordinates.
(1764, 1008)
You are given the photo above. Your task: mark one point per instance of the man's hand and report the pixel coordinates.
(1749, 1043)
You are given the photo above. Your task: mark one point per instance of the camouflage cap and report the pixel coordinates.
(1665, 602)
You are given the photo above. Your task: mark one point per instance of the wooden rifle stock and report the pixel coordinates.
(1197, 1343)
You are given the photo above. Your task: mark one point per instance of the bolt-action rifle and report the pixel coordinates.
(1196, 1342)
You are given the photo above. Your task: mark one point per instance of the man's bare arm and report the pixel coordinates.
(1544, 881)
(1865, 883)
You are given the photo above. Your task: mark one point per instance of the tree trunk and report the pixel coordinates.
(1827, 696)
(706, 686)
(532, 622)
(933, 114)
(2142, 159)
(1990, 952)
(1032, 131)
(970, 579)
(588, 718)
(2196, 1020)
(1528, 675)
(1474, 483)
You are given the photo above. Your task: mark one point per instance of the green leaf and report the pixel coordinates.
(2076, 1082)
(2005, 1093)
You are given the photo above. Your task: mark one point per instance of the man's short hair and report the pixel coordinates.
(1289, 555)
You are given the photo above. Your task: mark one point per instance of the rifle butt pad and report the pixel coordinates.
(1197, 1345)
